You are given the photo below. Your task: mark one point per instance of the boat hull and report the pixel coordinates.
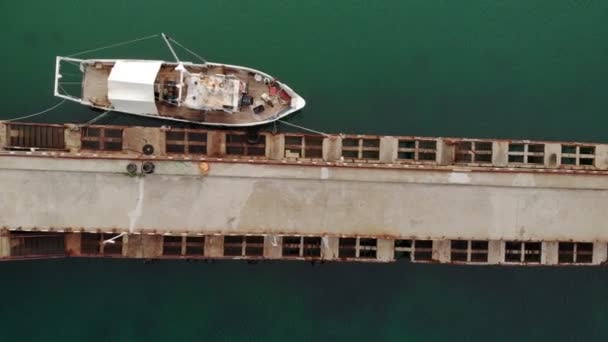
(209, 94)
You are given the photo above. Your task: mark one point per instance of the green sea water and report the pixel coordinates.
(533, 69)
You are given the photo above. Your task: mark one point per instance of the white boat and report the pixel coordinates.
(213, 94)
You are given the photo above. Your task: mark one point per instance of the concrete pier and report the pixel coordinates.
(222, 194)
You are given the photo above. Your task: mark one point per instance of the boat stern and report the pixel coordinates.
(69, 66)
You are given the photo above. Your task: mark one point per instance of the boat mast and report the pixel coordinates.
(180, 67)
(166, 39)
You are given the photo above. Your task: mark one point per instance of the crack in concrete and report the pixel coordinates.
(135, 214)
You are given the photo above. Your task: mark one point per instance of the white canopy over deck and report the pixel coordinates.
(131, 86)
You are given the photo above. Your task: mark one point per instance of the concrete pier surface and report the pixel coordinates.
(364, 199)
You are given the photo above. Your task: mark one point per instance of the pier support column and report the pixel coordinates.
(73, 244)
(445, 152)
(131, 246)
(500, 153)
(214, 246)
(216, 143)
(71, 136)
(3, 135)
(273, 246)
(332, 148)
(142, 245)
(385, 250)
(5, 244)
(549, 255)
(134, 139)
(441, 251)
(275, 146)
(553, 155)
(600, 252)
(329, 247)
(601, 156)
(152, 245)
(496, 252)
(388, 149)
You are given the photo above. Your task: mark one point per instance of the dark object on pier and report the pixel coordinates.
(148, 149)
(147, 167)
(131, 169)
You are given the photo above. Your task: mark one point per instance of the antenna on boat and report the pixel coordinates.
(166, 39)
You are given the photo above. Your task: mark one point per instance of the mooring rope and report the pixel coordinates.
(39, 113)
(82, 53)
(95, 119)
(90, 122)
(72, 63)
(111, 240)
(113, 45)
(303, 128)
(190, 51)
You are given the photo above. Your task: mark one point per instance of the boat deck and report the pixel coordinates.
(95, 90)
(254, 88)
(95, 85)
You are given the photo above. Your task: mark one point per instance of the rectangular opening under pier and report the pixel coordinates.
(193, 193)
(15, 245)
